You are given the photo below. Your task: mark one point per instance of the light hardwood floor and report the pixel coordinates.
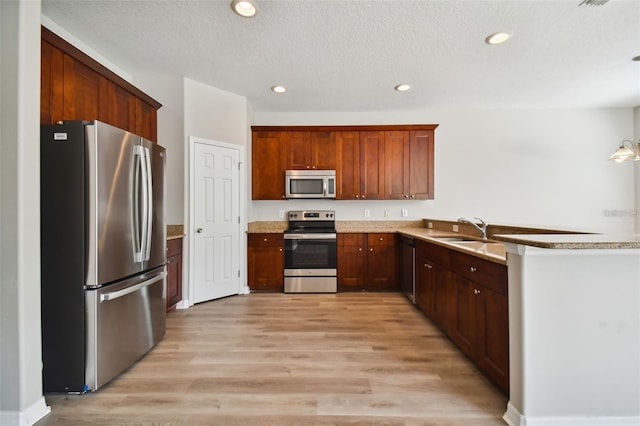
(277, 359)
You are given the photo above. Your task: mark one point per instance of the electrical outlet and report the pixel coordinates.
(405, 212)
(386, 213)
(367, 212)
(430, 225)
(280, 214)
(455, 228)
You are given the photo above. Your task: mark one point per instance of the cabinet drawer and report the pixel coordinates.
(350, 239)
(433, 252)
(174, 247)
(489, 274)
(381, 239)
(266, 240)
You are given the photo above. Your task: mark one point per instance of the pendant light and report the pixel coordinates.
(626, 153)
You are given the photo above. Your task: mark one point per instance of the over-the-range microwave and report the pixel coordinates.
(310, 183)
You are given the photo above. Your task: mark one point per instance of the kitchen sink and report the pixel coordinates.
(455, 239)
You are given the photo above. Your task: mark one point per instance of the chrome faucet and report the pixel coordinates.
(482, 229)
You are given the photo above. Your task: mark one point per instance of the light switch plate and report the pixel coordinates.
(367, 212)
(386, 213)
(280, 214)
(455, 228)
(405, 212)
(430, 225)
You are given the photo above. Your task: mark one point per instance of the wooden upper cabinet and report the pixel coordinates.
(372, 165)
(85, 92)
(421, 164)
(348, 165)
(396, 160)
(74, 86)
(51, 84)
(267, 177)
(310, 150)
(146, 120)
(409, 164)
(297, 148)
(122, 107)
(374, 162)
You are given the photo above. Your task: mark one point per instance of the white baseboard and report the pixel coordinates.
(514, 418)
(27, 417)
(183, 304)
(244, 290)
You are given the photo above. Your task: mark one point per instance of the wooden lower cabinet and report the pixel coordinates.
(367, 262)
(480, 326)
(266, 262)
(174, 273)
(467, 298)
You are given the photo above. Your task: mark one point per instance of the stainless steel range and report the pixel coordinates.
(310, 259)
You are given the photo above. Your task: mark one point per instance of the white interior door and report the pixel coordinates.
(216, 222)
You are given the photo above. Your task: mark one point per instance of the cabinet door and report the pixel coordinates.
(464, 332)
(420, 165)
(424, 284)
(372, 165)
(267, 172)
(266, 262)
(323, 150)
(493, 337)
(351, 262)
(174, 272)
(51, 84)
(146, 121)
(382, 271)
(443, 298)
(122, 108)
(396, 165)
(85, 93)
(297, 147)
(348, 165)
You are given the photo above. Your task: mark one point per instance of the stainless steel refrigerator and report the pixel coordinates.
(103, 252)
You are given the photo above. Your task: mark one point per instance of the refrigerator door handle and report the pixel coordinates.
(136, 216)
(128, 290)
(149, 211)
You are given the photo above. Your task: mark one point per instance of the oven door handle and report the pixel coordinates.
(310, 236)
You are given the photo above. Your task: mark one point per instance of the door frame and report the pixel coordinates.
(187, 300)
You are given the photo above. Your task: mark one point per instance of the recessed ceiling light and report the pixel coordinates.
(497, 38)
(278, 89)
(402, 87)
(244, 8)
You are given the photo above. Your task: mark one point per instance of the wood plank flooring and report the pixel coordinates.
(277, 359)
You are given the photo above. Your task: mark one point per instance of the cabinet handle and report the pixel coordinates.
(308, 167)
(265, 240)
(283, 197)
(381, 238)
(280, 249)
(313, 167)
(426, 265)
(360, 249)
(476, 291)
(473, 269)
(199, 230)
(406, 196)
(413, 195)
(370, 249)
(363, 197)
(357, 196)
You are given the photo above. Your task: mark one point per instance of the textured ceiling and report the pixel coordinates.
(348, 55)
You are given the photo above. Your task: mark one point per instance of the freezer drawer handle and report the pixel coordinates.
(132, 289)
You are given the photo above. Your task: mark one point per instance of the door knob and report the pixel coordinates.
(199, 230)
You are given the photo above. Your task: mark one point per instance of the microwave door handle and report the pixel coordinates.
(324, 187)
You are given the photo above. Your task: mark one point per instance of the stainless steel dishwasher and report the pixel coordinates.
(407, 271)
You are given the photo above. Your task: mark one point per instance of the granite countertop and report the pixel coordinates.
(488, 250)
(574, 241)
(175, 231)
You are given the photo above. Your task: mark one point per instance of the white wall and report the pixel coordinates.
(528, 167)
(636, 138)
(169, 91)
(21, 400)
